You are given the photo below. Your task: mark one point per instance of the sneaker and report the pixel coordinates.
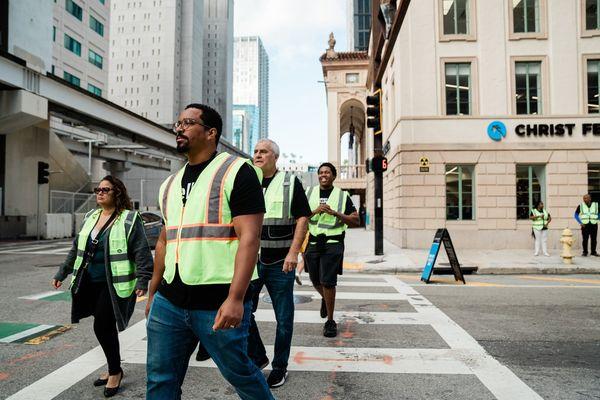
(323, 309)
(547, 255)
(277, 378)
(202, 354)
(262, 364)
(330, 328)
(535, 254)
(595, 254)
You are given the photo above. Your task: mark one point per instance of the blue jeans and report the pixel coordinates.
(173, 334)
(281, 290)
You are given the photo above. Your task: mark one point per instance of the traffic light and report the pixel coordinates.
(379, 164)
(374, 111)
(43, 172)
(368, 165)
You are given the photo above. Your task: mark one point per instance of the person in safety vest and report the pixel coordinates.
(205, 257)
(540, 218)
(587, 216)
(332, 213)
(283, 232)
(111, 264)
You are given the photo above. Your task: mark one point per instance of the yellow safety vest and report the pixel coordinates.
(122, 269)
(201, 240)
(588, 215)
(538, 224)
(324, 223)
(278, 202)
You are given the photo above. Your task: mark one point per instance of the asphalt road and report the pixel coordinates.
(509, 337)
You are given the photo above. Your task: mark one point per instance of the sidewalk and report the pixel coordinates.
(359, 257)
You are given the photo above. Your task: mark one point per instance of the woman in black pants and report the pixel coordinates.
(111, 264)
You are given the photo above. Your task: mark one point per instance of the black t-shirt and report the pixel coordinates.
(299, 208)
(246, 198)
(324, 196)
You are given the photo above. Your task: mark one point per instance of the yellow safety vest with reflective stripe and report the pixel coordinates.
(324, 223)
(278, 202)
(588, 215)
(122, 269)
(538, 224)
(201, 240)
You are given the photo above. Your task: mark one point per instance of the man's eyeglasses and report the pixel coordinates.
(185, 123)
(104, 190)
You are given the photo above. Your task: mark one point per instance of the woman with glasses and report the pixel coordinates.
(111, 264)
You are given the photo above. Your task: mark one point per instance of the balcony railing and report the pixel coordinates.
(349, 172)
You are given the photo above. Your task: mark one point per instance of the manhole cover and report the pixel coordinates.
(298, 299)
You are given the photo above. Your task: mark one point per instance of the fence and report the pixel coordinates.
(71, 202)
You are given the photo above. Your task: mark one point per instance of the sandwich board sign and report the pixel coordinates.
(442, 236)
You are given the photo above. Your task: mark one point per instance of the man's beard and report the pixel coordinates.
(184, 147)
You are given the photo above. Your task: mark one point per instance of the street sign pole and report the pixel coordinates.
(378, 150)
(38, 213)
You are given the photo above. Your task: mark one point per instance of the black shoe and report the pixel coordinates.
(277, 378)
(100, 382)
(323, 309)
(584, 254)
(262, 364)
(330, 328)
(202, 354)
(595, 254)
(110, 392)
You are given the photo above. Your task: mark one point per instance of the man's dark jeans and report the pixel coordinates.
(589, 231)
(280, 286)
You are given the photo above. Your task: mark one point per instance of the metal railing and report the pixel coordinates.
(71, 202)
(352, 172)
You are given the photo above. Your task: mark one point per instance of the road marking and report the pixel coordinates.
(552, 279)
(27, 333)
(40, 296)
(353, 295)
(307, 283)
(353, 266)
(349, 359)
(499, 380)
(68, 375)
(510, 286)
(360, 317)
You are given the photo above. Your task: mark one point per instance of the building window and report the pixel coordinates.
(530, 188)
(459, 192)
(74, 9)
(94, 89)
(458, 88)
(54, 34)
(101, 1)
(351, 78)
(528, 87)
(594, 181)
(72, 45)
(456, 17)
(593, 86)
(95, 58)
(72, 79)
(96, 26)
(592, 15)
(526, 16)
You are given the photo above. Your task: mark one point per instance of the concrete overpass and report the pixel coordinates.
(82, 136)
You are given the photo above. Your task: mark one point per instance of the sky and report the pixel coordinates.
(295, 35)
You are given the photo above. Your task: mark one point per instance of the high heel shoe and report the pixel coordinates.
(110, 392)
(100, 382)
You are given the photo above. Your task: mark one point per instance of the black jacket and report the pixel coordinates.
(138, 252)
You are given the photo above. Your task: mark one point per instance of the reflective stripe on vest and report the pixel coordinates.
(325, 223)
(538, 224)
(278, 202)
(588, 215)
(201, 240)
(122, 269)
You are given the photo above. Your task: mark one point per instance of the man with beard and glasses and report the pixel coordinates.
(205, 257)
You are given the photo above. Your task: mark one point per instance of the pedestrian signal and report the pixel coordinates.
(374, 112)
(43, 172)
(379, 164)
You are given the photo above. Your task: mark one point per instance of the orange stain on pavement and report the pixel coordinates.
(353, 266)
(4, 376)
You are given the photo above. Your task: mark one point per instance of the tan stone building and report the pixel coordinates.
(481, 120)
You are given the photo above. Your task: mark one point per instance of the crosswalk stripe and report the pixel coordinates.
(354, 295)
(306, 283)
(360, 317)
(40, 295)
(24, 334)
(350, 359)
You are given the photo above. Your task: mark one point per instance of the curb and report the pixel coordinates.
(517, 270)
